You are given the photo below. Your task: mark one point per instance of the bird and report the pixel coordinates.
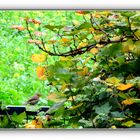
(33, 100)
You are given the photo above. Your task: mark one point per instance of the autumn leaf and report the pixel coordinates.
(52, 41)
(128, 46)
(64, 86)
(33, 21)
(83, 72)
(18, 27)
(94, 51)
(98, 37)
(40, 72)
(82, 44)
(81, 12)
(34, 124)
(36, 21)
(123, 87)
(38, 58)
(65, 40)
(128, 102)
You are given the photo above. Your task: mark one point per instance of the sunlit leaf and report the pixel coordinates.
(94, 51)
(137, 48)
(38, 58)
(123, 87)
(128, 101)
(128, 46)
(137, 33)
(40, 71)
(112, 81)
(128, 123)
(76, 106)
(65, 40)
(84, 72)
(82, 44)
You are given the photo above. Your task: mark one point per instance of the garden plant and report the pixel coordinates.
(83, 65)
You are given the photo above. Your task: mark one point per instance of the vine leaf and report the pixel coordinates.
(123, 87)
(38, 58)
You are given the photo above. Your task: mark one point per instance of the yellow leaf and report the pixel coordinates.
(112, 81)
(34, 124)
(137, 33)
(83, 72)
(113, 127)
(38, 57)
(76, 106)
(128, 123)
(128, 102)
(115, 38)
(128, 46)
(98, 37)
(64, 58)
(82, 44)
(65, 40)
(40, 72)
(123, 87)
(91, 29)
(64, 86)
(94, 51)
(137, 48)
(72, 98)
(29, 125)
(119, 119)
(99, 46)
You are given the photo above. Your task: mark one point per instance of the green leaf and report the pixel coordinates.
(55, 107)
(104, 109)
(128, 13)
(52, 28)
(84, 26)
(128, 123)
(4, 122)
(18, 118)
(112, 81)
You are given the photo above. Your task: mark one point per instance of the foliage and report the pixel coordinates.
(91, 67)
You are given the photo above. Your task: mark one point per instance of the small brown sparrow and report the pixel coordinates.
(33, 100)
